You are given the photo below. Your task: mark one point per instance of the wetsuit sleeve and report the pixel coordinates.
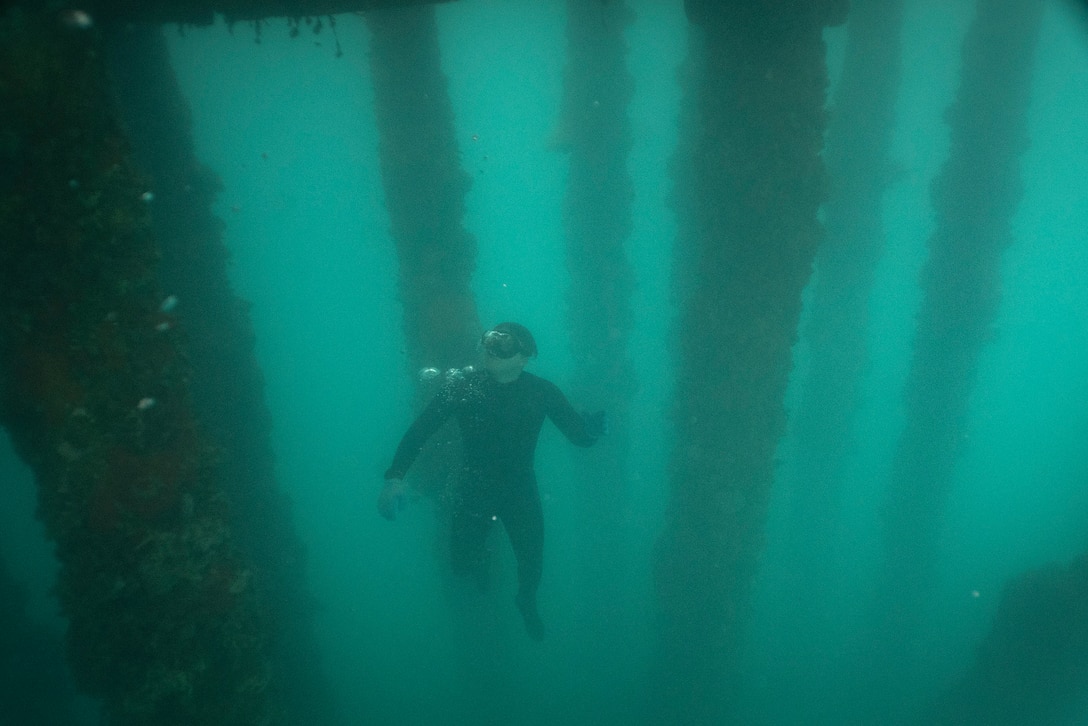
(566, 419)
(437, 412)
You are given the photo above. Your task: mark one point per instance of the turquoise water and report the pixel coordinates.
(289, 127)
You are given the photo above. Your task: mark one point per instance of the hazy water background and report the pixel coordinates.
(290, 129)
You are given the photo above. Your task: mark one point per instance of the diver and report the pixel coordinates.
(500, 410)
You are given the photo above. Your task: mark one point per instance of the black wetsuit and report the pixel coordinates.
(500, 424)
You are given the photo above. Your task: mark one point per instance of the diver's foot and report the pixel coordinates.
(534, 626)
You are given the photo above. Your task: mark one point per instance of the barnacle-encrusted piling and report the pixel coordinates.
(975, 197)
(425, 187)
(859, 172)
(94, 389)
(749, 182)
(226, 383)
(593, 128)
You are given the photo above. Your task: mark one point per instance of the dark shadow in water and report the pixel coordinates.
(1033, 665)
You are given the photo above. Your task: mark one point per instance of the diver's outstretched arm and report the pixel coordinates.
(391, 499)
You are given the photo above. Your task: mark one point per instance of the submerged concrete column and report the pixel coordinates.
(859, 172)
(227, 384)
(165, 626)
(749, 182)
(594, 129)
(975, 197)
(425, 187)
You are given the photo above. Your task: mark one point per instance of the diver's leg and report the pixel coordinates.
(524, 523)
(468, 544)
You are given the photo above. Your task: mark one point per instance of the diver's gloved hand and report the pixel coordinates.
(596, 424)
(391, 500)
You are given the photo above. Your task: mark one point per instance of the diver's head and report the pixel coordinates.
(506, 340)
(506, 348)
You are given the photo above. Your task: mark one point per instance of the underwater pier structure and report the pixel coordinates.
(227, 384)
(859, 168)
(165, 625)
(594, 131)
(425, 187)
(128, 381)
(203, 12)
(130, 386)
(749, 181)
(975, 197)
